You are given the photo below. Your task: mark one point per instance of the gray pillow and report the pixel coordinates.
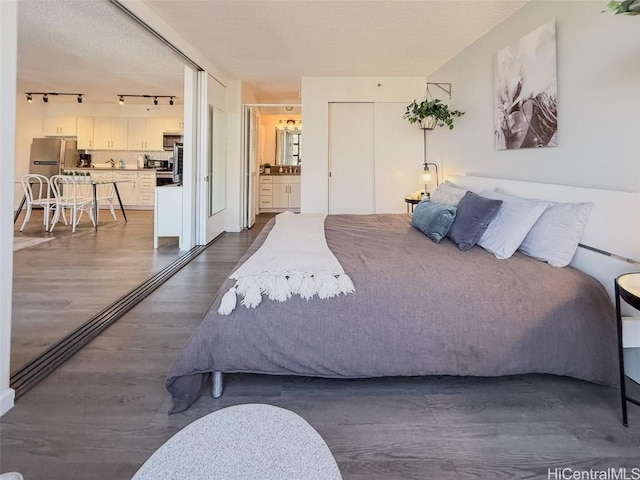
(472, 218)
(433, 219)
(448, 193)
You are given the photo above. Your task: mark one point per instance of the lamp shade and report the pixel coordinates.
(426, 178)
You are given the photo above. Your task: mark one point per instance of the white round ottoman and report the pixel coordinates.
(253, 441)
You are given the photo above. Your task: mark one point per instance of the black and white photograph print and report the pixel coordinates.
(526, 92)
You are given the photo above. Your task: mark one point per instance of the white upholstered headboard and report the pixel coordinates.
(610, 245)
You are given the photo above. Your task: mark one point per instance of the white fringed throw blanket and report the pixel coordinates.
(293, 260)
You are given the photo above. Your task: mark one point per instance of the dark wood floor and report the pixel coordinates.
(60, 284)
(104, 412)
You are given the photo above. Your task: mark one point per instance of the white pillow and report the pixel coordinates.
(515, 218)
(555, 236)
(448, 193)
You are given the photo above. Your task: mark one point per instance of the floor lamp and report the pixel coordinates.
(425, 177)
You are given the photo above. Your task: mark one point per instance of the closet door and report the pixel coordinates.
(351, 158)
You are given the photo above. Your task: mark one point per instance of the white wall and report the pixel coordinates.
(317, 93)
(234, 201)
(598, 60)
(29, 124)
(8, 61)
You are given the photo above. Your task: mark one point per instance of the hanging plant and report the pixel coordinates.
(627, 7)
(429, 114)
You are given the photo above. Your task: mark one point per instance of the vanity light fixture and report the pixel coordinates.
(154, 97)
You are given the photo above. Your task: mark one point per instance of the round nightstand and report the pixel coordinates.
(627, 288)
(411, 201)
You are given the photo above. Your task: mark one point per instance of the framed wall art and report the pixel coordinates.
(526, 92)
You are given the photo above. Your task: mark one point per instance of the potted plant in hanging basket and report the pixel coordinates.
(627, 7)
(429, 114)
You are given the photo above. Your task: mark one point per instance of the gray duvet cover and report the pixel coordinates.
(419, 308)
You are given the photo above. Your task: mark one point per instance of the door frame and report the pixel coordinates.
(246, 193)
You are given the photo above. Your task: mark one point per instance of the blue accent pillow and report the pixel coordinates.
(433, 219)
(472, 219)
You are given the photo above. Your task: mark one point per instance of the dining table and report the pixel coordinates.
(94, 184)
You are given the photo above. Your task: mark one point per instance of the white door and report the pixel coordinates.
(216, 168)
(251, 133)
(351, 158)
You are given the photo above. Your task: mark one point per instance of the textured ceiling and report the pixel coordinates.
(90, 46)
(271, 44)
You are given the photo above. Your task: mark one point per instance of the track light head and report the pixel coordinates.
(29, 98)
(171, 101)
(45, 98)
(79, 98)
(155, 100)
(121, 100)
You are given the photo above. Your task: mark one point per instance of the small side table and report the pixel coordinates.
(411, 201)
(627, 287)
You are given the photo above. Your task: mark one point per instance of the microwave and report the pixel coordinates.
(157, 164)
(169, 139)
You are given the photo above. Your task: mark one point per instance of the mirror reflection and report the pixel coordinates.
(288, 147)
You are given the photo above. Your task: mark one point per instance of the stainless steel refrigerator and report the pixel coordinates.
(50, 156)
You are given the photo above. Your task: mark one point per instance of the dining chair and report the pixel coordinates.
(39, 193)
(105, 194)
(72, 194)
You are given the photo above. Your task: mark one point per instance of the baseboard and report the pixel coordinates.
(6, 400)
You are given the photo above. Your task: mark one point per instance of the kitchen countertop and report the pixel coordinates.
(278, 173)
(91, 169)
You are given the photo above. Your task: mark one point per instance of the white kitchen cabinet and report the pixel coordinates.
(60, 127)
(85, 133)
(280, 192)
(280, 195)
(173, 125)
(266, 192)
(294, 195)
(146, 188)
(144, 134)
(110, 133)
(128, 187)
(167, 218)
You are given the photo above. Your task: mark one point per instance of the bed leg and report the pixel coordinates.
(216, 390)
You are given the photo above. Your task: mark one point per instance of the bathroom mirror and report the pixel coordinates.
(288, 147)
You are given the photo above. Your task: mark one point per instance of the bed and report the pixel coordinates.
(419, 308)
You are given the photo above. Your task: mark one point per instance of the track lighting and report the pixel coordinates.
(45, 95)
(154, 97)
